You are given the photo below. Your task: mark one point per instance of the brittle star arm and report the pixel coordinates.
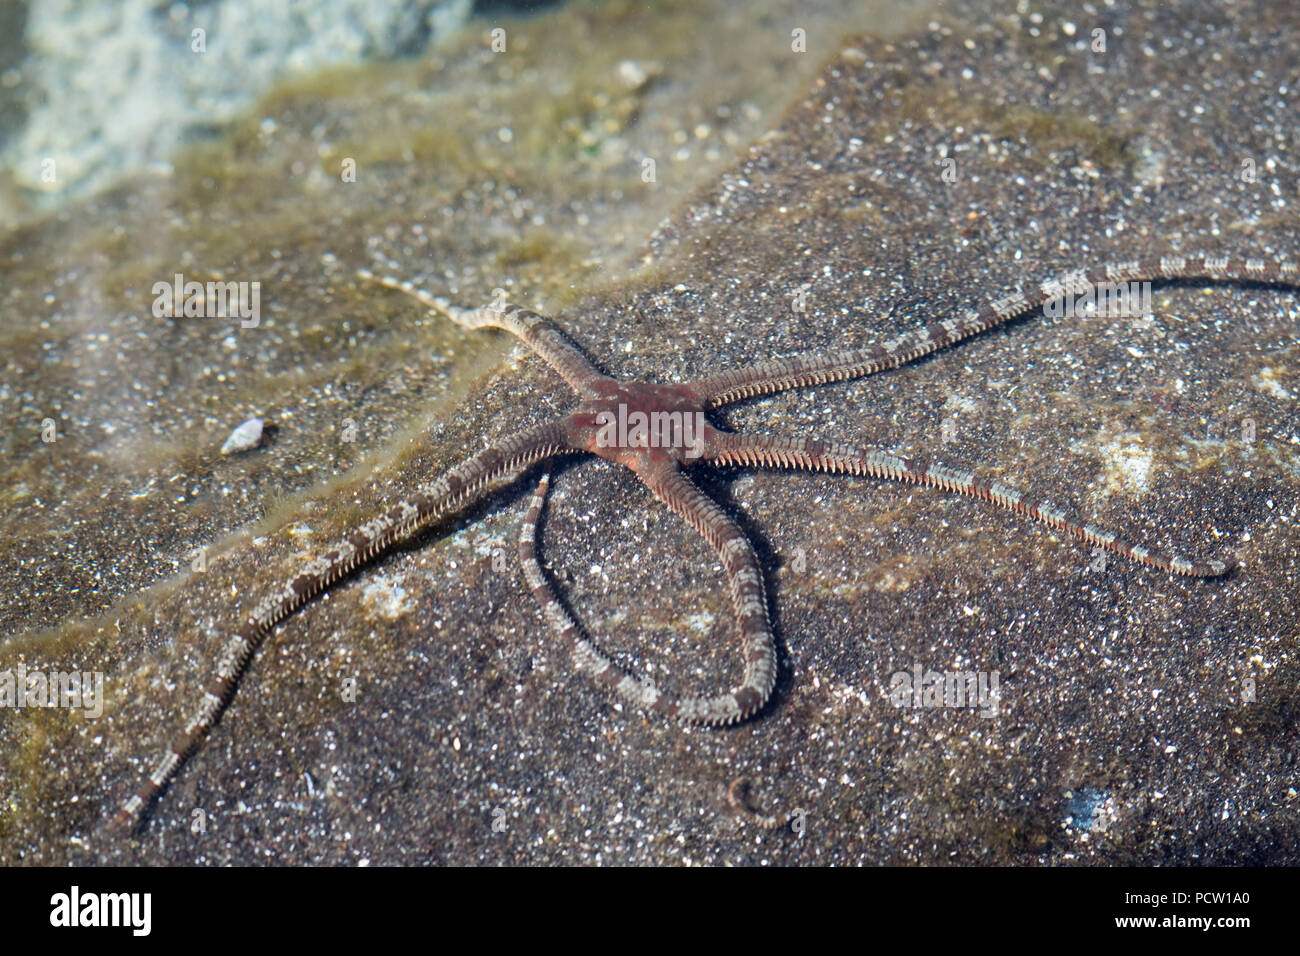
(536, 331)
(746, 586)
(821, 368)
(456, 488)
(594, 662)
(815, 455)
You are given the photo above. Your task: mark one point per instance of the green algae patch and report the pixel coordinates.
(1053, 133)
(1048, 133)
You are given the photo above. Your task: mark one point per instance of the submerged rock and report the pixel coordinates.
(914, 178)
(113, 88)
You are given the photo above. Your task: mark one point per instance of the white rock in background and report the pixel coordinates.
(246, 436)
(115, 87)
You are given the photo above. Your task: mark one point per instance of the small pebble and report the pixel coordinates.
(246, 436)
(632, 74)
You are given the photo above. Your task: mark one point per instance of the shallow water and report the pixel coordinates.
(521, 170)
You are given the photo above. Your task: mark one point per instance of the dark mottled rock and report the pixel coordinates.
(1122, 736)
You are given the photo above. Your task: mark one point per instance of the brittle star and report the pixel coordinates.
(627, 423)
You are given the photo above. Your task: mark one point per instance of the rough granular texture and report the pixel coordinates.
(1142, 719)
